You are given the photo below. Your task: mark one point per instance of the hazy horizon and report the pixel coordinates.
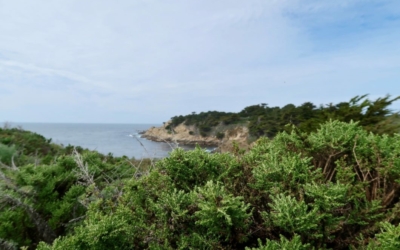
(109, 123)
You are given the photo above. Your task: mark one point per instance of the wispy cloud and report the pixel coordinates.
(145, 61)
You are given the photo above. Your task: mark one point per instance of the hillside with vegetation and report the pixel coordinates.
(336, 187)
(263, 120)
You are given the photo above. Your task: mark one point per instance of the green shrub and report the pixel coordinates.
(294, 244)
(188, 169)
(6, 153)
(220, 213)
(334, 188)
(388, 238)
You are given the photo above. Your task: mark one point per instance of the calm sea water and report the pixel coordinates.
(118, 139)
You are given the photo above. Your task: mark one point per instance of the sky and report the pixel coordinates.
(144, 61)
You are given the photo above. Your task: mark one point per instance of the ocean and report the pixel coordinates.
(118, 139)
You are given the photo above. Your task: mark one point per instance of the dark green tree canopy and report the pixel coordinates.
(262, 120)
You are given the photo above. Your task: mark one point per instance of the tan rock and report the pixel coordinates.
(239, 135)
(180, 134)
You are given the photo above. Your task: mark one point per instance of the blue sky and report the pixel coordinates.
(98, 61)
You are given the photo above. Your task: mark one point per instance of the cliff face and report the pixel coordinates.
(239, 135)
(181, 134)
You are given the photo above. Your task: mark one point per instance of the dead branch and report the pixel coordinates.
(83, 171)
(358, 171)
(13, 166)
(145, 149)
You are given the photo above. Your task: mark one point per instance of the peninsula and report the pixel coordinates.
(221, 136)
(223, 129)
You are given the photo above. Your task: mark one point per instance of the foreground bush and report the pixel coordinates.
(43, 199)
(336, 188)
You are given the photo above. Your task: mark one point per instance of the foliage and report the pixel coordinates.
(7, 153)
(195, 168)
(388, 238)
(28, 142)
(43, 201)
(374, 116)
(262, 120)
(294, 244)
(220, 211)
(334, 188)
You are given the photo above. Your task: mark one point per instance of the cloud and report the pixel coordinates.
(145, 61)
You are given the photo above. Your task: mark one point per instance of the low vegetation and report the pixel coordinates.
(337, 187)
(43, 185)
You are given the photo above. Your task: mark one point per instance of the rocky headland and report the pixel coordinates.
(187, 135)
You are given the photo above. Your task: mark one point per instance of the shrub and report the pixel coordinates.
(388, 238)
(196, 167)
(6, 153)
(329, 189)
(220, 135)
(293, 244)
(220, 213)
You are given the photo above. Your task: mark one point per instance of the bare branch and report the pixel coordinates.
(2, 165)
(6, 245)
(75, 220)
(147, 152)
(13, 166)
(83, 171)
(358, 171)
